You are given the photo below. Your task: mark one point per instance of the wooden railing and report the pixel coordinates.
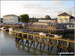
(50, 41)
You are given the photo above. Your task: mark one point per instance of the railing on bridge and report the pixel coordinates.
(50, 41)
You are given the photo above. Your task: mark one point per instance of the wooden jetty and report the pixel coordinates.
(59, 43)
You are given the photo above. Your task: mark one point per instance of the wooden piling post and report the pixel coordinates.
(50, 44)
(28, 39)
(37, 44)
(57, 47)
(48, 48)
(33, 42)
(68, 45)
(44, 46)
(40, 42)
(40, 46)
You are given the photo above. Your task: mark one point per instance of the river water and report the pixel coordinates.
(9, 46)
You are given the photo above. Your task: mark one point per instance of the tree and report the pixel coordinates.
(47, 17)
(24, 18)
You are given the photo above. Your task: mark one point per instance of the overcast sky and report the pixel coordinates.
(36, 8)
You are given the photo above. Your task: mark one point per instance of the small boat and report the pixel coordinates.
(58, 36)
(50, 35)
(11, 29)
(41, 33)
(3, 28)
(54, 35)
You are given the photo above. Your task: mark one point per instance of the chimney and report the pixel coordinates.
(69, 12)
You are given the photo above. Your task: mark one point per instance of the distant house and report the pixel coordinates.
(44, 23)
(48, 21)
(72, 19)
(33, 19)
(70, 26)
(40, 24)
(65, 18)
(10, 19)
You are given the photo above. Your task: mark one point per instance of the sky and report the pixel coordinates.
(36, 8)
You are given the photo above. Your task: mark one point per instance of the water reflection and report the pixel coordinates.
(2, 30)
(34, 49)
(10, 32)
(21, 46)
(7, 45)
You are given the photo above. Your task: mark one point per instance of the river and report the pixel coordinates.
(9, 46)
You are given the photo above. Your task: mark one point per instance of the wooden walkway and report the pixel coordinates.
(46, 40)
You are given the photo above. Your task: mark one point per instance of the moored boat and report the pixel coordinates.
(11, 29)
(3, 28)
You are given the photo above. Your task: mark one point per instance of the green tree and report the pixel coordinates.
(47, 17)
(19, 19)
(24, 18)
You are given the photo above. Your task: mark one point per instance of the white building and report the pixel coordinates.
(40, 23)
(10, 19)
(71, 26)
(65, 18)
(48, 21)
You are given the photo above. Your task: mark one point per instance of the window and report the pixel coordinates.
(72, 25)
(69, 25)
(66, 20)
(61, 20)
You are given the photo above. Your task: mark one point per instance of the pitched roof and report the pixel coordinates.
(71, 17)
(64, 14)
(10, 15)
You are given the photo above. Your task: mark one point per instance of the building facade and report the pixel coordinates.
(65, 18)
(33, 19)
(48, 21)
(10, 19)
(70, 26)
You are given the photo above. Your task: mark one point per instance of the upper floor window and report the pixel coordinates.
(61, 20)
(71, 25)
(66, 19)
(72, 20)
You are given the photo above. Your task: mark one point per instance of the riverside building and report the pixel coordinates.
(10, 19)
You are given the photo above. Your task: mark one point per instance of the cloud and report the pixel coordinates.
(47, 7)
(33, 8)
